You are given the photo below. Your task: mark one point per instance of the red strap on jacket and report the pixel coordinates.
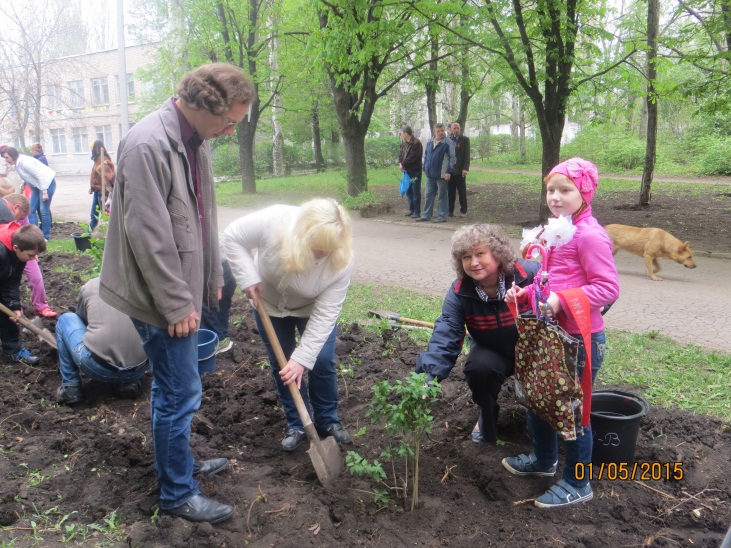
(576, 303)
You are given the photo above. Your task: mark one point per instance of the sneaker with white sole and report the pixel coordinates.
(528, 465)
(563, 494)
(225, 345)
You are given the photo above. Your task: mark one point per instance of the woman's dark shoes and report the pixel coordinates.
(210, 467)
(201, 508)
(130, 390)
(292, 440)
(337, 431)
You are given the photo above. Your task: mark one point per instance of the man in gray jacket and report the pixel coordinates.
(161, 262)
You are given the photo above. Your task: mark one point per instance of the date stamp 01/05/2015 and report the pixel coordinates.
(629, 471)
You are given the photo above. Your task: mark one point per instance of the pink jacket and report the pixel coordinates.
(586, 262)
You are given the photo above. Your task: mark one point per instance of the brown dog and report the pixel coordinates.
(652, 244)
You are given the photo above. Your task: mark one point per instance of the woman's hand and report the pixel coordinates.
(292, 372)
(254, 293)
(45, 196)
(515, 294)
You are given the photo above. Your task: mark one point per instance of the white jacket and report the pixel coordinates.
(34, 172)
(318, 294)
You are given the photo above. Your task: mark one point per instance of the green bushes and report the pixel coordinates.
(382, 151)
(716, 156)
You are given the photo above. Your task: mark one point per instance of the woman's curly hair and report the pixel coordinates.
(216, 87)
(492, 236)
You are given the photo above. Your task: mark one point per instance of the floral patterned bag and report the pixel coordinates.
(545, 374)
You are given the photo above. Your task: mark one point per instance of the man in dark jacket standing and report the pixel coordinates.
(161, 262)
(458, 181)
(409, 161)
(438, 166)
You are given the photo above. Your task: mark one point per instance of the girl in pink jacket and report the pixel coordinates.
(584, 262)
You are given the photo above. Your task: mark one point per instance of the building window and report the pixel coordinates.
(130, 89)
(104, 134)
(58, 139)
(53, 96)
(99, 91)
(76, 93)
(78, 135)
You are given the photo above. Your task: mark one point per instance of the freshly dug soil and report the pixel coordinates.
(94, 459)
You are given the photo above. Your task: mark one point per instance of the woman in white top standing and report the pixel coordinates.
(300, 272)
(42, 179)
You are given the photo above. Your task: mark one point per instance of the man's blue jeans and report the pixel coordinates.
(545, 440)
(322, 391)
(36, 203)
(434, 187)
(413, 194)
(174, 399)
(75, 358)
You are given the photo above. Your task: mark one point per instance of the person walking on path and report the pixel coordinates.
(300, 273)
(42, 179)
(409, 162)
(161, 261)
(438, 166)
(101, 342)
(458, 180)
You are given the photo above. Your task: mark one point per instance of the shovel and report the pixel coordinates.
(387, 314)
(43, 333)
(324, 454)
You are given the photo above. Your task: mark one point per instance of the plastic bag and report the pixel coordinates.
(405, 183)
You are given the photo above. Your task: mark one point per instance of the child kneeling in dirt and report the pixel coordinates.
(20, 244)
(101, 342)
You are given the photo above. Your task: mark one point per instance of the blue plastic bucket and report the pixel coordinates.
(207, 346)
(615, 423)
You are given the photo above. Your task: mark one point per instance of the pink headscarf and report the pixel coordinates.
(582, 173)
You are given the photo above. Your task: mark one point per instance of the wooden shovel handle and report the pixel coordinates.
(282, 360)
(25, 322)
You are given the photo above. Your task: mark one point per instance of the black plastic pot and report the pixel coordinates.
(615, 422)
(82, 241)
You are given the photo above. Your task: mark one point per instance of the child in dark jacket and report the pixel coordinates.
(18, 244)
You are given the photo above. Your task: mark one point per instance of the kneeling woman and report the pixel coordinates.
(301, 272)
(486, 268)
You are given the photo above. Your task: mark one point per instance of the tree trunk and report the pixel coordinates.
(651, 99)
(522, 134)
(432, 82)
(551, 139)
(355, 159)
(245, 137)
(278, 137)
(316, 139)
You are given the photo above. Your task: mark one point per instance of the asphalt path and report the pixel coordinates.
(690, 306)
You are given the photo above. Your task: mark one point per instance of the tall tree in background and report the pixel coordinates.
(653, 23)
(34, 33)
(536, 42)
(366, 46)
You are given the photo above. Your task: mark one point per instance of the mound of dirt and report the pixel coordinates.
(95, 460)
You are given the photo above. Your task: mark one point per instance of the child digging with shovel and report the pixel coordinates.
(20, 244)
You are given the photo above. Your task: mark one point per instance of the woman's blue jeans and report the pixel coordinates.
(74, 358)
(96, 209)
(37, 203)
(545, 439)
(321, 388)
(174, 399)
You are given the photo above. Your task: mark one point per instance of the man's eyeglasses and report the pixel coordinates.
(229, 123)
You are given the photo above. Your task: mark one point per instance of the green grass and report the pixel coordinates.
(62, 245)
(665, 372)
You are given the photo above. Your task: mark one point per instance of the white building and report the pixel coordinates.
(81, 104)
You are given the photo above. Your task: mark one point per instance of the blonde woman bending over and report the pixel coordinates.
(300, 272)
